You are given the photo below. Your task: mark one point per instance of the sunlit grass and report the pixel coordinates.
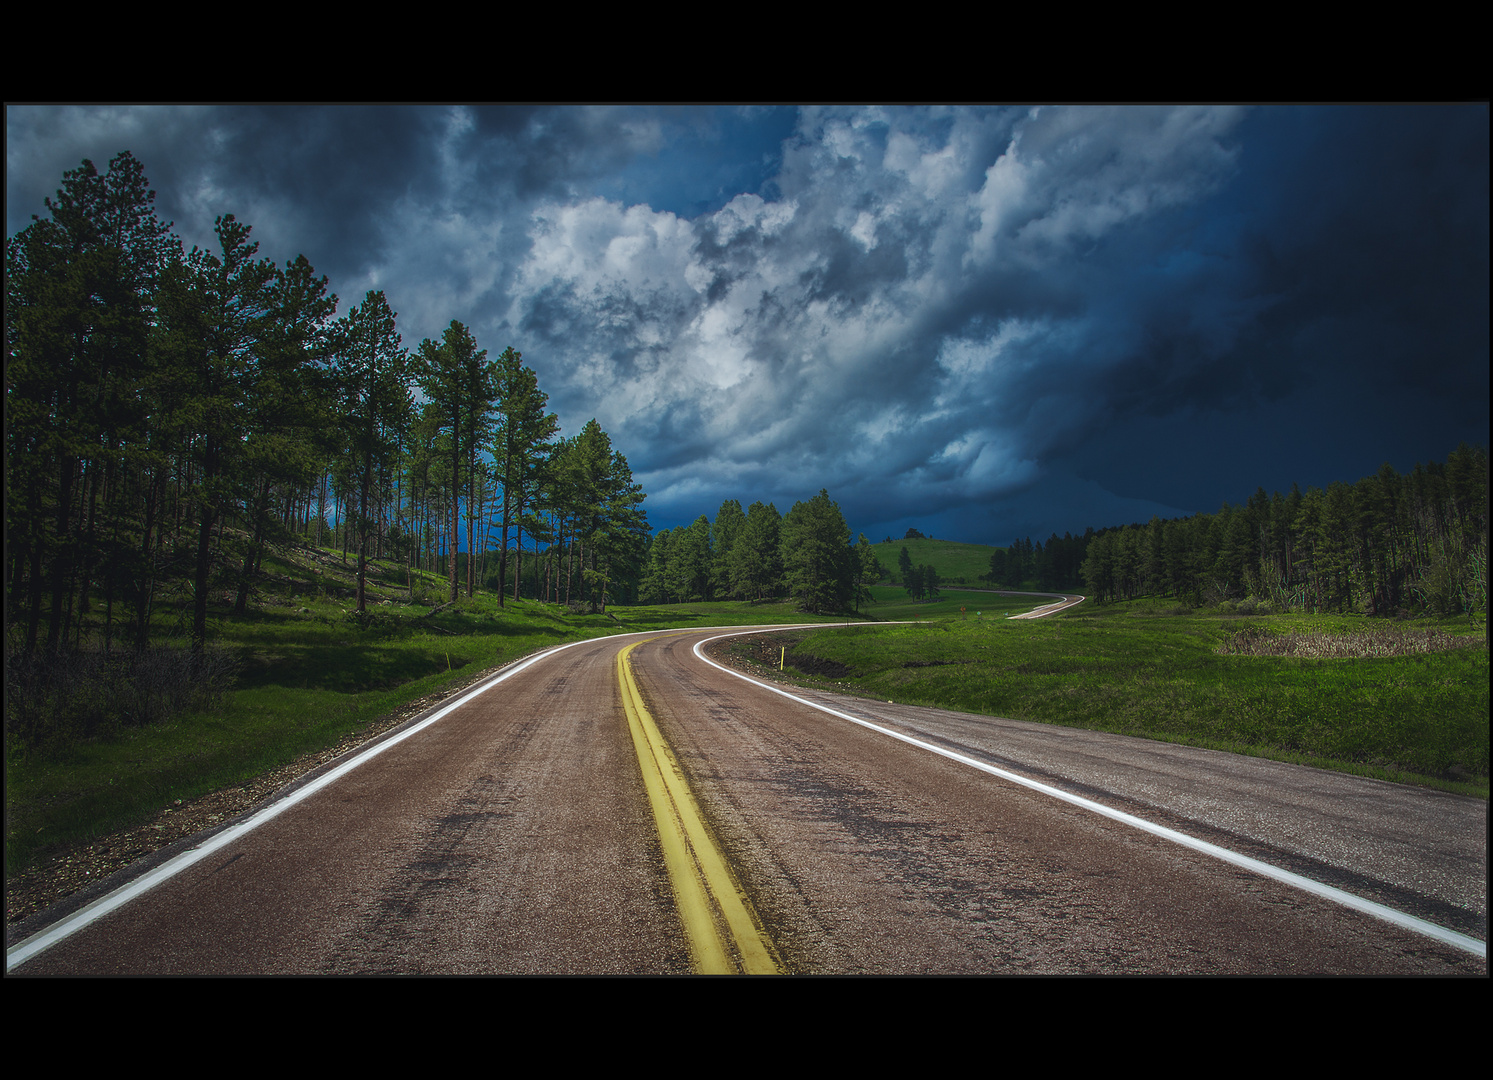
(1132, 670)
(952, 559)
(891, 602)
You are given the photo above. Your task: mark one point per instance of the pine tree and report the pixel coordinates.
(286, 410)
(459, 382)
(605, 506)
(729, 521)
(217, 314)
(691, 560)
(522, 443)
(372, 372)
(80, 291)
(817, 556)
(870, 570)
(757, 557)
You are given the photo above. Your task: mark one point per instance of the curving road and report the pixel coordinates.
(1060, 601)
(512, 832)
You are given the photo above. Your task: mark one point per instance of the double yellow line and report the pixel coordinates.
(724, 934)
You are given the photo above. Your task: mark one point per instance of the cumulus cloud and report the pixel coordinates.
(873, 311)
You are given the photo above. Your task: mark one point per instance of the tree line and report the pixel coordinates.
(1052, 566)
(762, 554)
(921, 581)
(1392, 543)
(173, 415)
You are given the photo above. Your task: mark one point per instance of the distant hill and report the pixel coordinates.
(950, 558)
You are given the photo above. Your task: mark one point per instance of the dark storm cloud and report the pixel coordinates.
(321, 177)
(1352, 281)
(546, 151)
(306, 179)
(1363, 227)
(992, 322)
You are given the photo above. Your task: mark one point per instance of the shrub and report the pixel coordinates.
(55, 700)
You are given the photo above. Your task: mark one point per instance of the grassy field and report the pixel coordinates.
(891, 603)
(309, 674)
(1151, 669)
(951, 559)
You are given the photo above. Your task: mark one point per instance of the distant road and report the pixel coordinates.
(1063, 601)
(514, 834)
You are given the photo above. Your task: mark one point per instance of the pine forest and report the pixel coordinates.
(171, 415)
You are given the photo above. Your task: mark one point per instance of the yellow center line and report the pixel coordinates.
(722, 930)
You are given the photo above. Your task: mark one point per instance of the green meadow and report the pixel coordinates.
(1152, 669)
(891, 602)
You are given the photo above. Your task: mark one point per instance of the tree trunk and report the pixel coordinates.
(204, 557)
(471, 500)
(363, 534)
(147, 585)
(62, 564)
(503, 551)
(455, 519)
(251, 554)
(518, 544)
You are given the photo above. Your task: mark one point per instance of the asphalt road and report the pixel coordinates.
(514, 835)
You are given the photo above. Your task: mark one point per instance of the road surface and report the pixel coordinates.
(1060, 601)
(517, 833)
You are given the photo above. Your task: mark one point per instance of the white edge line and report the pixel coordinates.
(1063, 603)
(1316, 888)
(44, 939)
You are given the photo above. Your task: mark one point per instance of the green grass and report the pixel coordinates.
(309, 675)
(1145, 669)
(891, 602)
(951, 559)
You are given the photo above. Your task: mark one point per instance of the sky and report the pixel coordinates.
(985, 323)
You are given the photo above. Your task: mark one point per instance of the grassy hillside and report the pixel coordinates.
(950, 558)
(891, 603)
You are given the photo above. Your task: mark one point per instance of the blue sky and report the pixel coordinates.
(983, 322)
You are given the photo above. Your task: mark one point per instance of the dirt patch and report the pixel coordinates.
(763, 653)
(1320, 644)
(818, 665)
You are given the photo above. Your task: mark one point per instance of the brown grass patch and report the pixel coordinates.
(1324, 644)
